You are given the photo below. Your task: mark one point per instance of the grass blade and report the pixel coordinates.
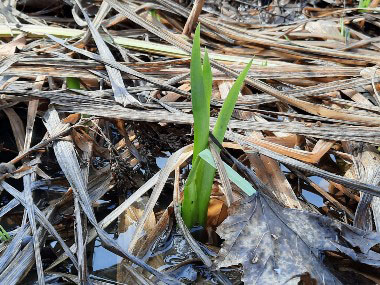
(229, 105)
(29, 205)
(201, 89)
(72, 83)
(120, 92)
(207, 174)
(189, 204)
(204, 180)
(207, 78)
(201, 110)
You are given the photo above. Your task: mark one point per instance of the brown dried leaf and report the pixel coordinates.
(72, 119)
(276, 245)
(216, 213)
(324, 28)
(17, 127)
(10, 48)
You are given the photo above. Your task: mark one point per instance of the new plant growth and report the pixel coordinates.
(364, 4)
(4, 236)
(72, 83)
(199, 182)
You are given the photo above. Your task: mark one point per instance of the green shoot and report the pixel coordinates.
(341, 26)
(364, 4)
(199, 100)
(347, 35)
(4, 236)
(344, 31)
(199, 183)
(189, 205)
(229, 105)
(72, 83)
(219, 130)
(154, 14)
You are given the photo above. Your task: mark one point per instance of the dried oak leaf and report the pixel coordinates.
(277, 245)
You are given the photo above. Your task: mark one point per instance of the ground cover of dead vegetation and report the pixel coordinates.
(96, 142)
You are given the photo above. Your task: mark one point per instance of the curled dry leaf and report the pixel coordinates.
(277, 245)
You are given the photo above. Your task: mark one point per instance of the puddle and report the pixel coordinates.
(284, 168)
(102, 258)
(161, 160)
(170, 256)
(312, 198)
(175, 251)
(333, 157)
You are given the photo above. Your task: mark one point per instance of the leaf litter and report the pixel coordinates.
(304, 137)
(276, 244)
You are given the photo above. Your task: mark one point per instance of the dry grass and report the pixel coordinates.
(311, 103)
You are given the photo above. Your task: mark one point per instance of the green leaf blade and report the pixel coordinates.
(229, 105)
(72, 83)
(189, 204)
(204, 181)
(189, 208)
(200, 106)
(207, 78)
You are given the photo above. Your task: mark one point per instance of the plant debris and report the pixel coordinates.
(276, 244)
(97, 137)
